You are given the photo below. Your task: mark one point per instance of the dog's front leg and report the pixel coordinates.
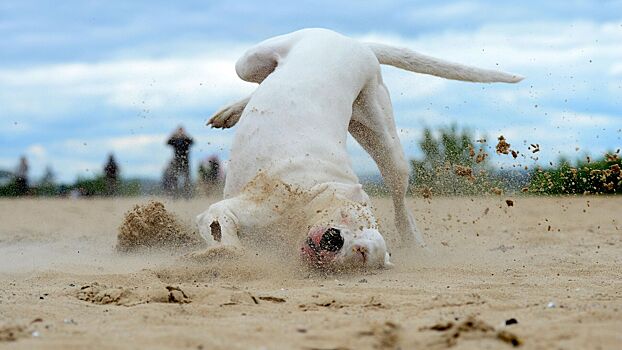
(219, 224)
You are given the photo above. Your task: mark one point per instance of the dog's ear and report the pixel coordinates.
(357, 194)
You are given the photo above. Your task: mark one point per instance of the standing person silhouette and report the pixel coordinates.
(21, 177)
(181, 144)
(209, 174)
(111, 175)
(168, 179)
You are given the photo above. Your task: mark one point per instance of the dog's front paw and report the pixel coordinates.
(221, 252)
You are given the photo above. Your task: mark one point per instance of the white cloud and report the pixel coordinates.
(137, 155)
(521, 47)
(407, 86)
(524, 135)
(37, 151)
(133, 142)
(575, 119)
(442, 12)
(201, 80)
(155, 84)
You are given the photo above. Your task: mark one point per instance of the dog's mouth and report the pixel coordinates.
(322, 246)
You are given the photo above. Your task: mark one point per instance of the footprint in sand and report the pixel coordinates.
(102, 295)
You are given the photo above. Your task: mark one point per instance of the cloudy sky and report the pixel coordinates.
(80, 79)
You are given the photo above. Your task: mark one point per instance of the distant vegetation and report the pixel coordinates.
(82, 186)
(602, 176)
(97, 187)
(453, 163)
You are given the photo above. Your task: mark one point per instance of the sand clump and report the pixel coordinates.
(472, 328)
(426, 192)
(152, 226)
(497, 191)
(503, 147)
(176, 295)
(12, 332)
(481, 156)
(102, 295)
(464, 171)
(387, 335)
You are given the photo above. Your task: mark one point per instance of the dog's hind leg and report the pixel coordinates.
(254, 66)
(262, 59)
(373, 126)
(228, 116)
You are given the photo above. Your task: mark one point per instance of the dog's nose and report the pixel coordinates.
(331, 240)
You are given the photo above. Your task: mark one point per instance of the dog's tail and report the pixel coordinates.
(419, 63)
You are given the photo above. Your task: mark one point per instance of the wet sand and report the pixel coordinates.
(554, 265)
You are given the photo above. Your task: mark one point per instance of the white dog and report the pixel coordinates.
(289, 175)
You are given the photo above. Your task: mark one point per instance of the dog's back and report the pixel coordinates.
(295, 125)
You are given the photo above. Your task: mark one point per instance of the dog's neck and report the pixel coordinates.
(325, 204)
(340, 204)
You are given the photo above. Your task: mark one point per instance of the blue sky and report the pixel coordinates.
(79, 79)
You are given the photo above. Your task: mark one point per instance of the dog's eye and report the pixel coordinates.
(331, 240)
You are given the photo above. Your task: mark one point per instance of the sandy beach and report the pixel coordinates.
(545, 273)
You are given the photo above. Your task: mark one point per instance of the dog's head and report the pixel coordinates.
(344, 233)
(340, 247)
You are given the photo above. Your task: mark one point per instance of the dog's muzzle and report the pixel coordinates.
(321, 247)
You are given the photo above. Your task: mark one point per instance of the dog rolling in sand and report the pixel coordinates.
(289, 177)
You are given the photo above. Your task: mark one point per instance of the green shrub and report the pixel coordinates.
(587, 177)
(452, 164)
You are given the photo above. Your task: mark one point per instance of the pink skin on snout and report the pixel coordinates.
(320, 256)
